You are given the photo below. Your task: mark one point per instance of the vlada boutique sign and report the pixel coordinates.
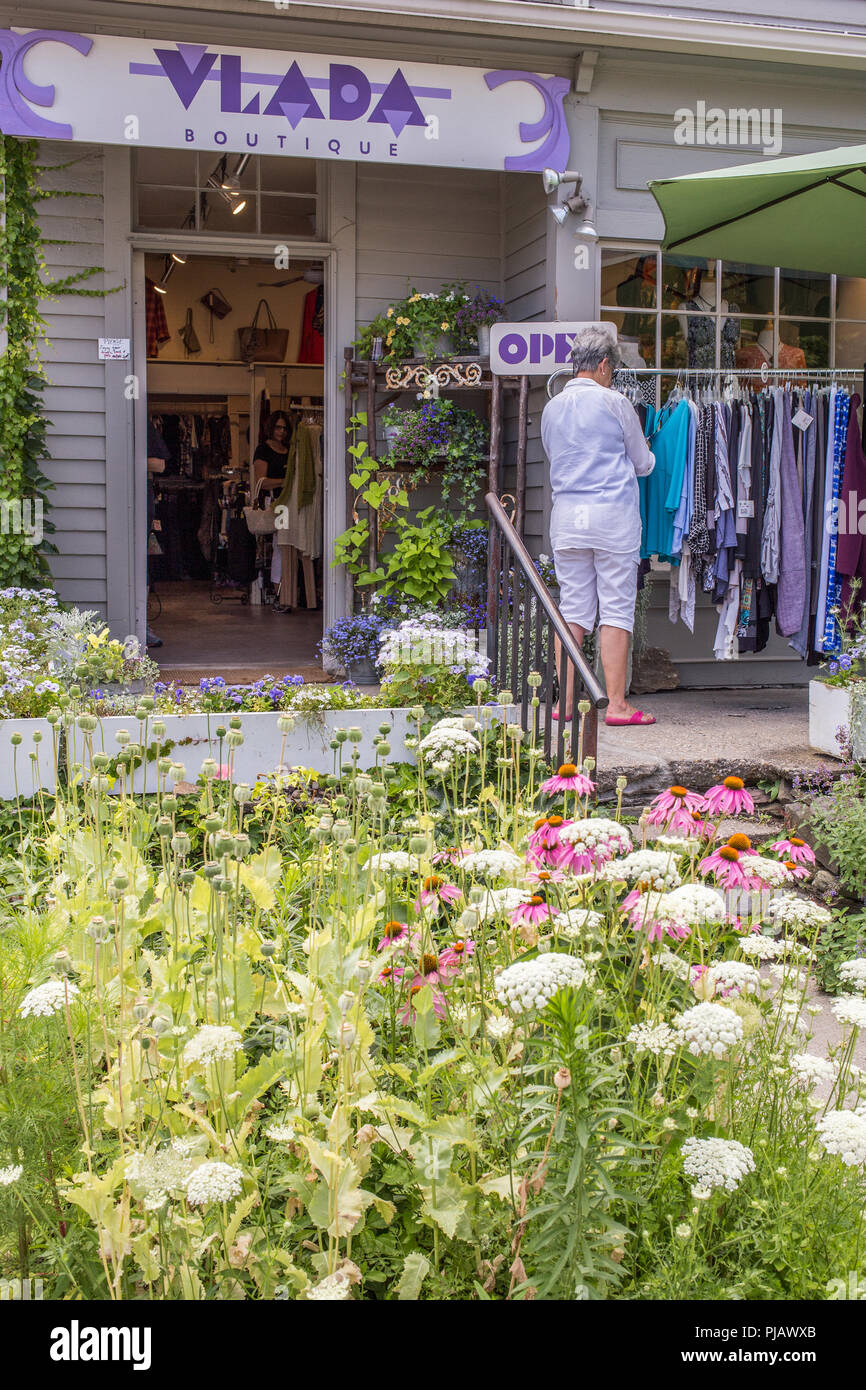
(101, 90)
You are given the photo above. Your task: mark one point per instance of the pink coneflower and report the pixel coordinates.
(407, 1013)
(724, 864)
(544, 846)
(536, 910)
(794, 849)
(436, 890)
(568, 779)
(658, 927)
(676, 810)
(392, 974)
(633, 899)
(394, 934)
(450, 856)
(452, 958)
(546, 876)
(729, 798)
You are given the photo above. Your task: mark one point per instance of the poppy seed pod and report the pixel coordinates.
(212, 824)
(242, 793)
(221, 731)
(286, 723)
(122, 737)
(268, 949)
(235, 721)
(169, 803)
(164, 827)
(158, 729)
(234, 738)
(209, 769)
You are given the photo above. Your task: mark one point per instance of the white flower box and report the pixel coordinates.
(21, 774)
(831, 708)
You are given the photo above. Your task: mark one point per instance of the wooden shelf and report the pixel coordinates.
(229, 362)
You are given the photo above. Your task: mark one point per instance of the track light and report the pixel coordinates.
(231, 182)
(238, 207)
(167, 272)
(177, 258)
(551, 179)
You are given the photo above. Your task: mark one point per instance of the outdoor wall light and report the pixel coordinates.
(551, 179)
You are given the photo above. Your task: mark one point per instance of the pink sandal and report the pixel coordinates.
(637, 718)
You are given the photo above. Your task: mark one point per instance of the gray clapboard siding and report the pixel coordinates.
(75, 396)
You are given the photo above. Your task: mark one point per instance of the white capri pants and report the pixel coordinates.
(602, 582)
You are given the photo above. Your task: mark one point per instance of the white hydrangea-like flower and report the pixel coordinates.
(499, 1028)
(853, 973)
(850, 1008)
(843, 1132)
(529, 984)
(11, 1174)
(733, 977)
(657, 1038)
(810, 1071)
(695, 904)
(597, 834)
(577, 921)
(761, 947)
(214, 1042)
(790, 910)
(717, 1163)
(674, 964)
(213, 1182)
(770, 872)
(500, 902)
(394, 861)
(447, 743)
(653, 868)
(47, 999)
(709, 1029)
(159, 1174)
(334, 1288)
(280, 1133)
(492, 863)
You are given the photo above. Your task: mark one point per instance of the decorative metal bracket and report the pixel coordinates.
(443, 373)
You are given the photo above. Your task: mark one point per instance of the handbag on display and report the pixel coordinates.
(188, 336)
(217, 306)
(260, 520)
(263, 344)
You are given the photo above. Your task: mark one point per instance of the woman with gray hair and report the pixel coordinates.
(597, 451)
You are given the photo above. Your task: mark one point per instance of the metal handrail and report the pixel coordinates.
(574, 667)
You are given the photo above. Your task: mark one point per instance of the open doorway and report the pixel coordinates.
(235, 397)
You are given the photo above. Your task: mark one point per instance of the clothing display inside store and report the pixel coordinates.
(743, 503)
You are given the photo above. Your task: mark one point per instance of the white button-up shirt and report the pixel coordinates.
(597, 451)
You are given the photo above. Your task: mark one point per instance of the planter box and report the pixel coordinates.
(830, 707)
(16, 764)
(190, 738)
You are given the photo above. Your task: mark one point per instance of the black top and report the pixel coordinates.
(277, 463)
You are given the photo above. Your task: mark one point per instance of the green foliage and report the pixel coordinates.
(842, 939)
(839, 822)
(421, 564)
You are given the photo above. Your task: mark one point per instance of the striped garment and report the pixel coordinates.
(832, 631)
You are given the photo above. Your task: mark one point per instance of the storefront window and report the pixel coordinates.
(685, 311)
(183, 190)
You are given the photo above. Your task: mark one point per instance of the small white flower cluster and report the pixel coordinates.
(280, 1133)
(417, 642)
(810, 1071)
(500, 902)
(334, 1288)
(762, 947)
(733, 977)
(393, 861)
(709, 1029)
(213, 1182)
(448, 742)
(696, 904)
(657, 1038)
(10, 1174)
(843, 1132)
(853, 973)
(47, 999)
(160, 1174)
(595, 833)
(674, 964)
(577, 921)
(652, 867)
(717, 1163)
(529, 984)
(790, 910)
(770, 872)
(498, 1028)
(214, 1042)
(492, 863)
(850, 1008)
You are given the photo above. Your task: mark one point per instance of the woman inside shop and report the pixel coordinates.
(597, 451)
(271, 458)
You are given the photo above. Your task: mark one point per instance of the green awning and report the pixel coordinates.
(804, 213)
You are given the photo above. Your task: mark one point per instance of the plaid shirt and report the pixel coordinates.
(155, 320)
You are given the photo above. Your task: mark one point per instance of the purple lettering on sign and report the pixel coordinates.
(294, 99)
(512, 348)
(397, 106)
(16, 89)
(349, 92)
(553, 153)
(186, 68)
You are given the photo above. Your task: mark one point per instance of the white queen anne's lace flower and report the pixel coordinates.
(843, 1132)
(771, 872)
(733, 977)
(790, 910)
(577, 921)
(851, 1009)
(280, 1133)
(156, 1175)
(853, 973)
(47, 999)
(761, 947)
(657, 1038)
(809, 1071)
(492, 863)
(499, 1028)
(649, 867)
(214, 1042)
(709, 1029)
(673, 964)
(596, 833)
(213, 1182)
(393, 861)
(448, 742)
(334, 1288)
(500, 902)
(717, 1163)
(695, 904)
(529, 984)
(10, 1174)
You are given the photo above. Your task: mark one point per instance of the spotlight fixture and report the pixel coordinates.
(167, 271)
(551, 179)
(231, 182)
(177, 258)
(586, 231)
(238, 206)
(575, 206)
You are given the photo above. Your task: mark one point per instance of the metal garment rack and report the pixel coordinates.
(763, 374)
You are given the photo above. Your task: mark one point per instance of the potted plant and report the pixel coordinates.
(474, 320)
(421, 325)
(354, 643)
(837, 698)
(440, 433)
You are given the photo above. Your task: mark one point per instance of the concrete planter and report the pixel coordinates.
(830, 708)
(21, 774)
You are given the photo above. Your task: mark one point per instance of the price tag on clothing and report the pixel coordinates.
(745, 508)
(802, 420)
